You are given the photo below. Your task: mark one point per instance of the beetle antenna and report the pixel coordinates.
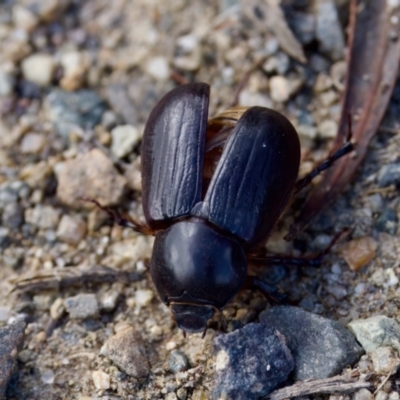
(124, 220)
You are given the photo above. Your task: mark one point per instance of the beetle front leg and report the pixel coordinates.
(271, 292)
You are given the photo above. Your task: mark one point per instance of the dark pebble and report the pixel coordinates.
(250, 362)
(178, 361)
(68, 110)
(389, 175)
(11, 340)
(13, 216)
(387, 221)
(321, 348)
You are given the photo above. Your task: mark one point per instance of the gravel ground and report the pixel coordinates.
(77, 82)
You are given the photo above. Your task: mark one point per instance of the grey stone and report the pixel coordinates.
(11, 340)
(329, 31)
(13, 216)
(387, 221)
(376, 332)
(71, 229)
(304, 27)
(321, 348)
(250, 362)
(81, 109)
(127, 351)
(389, 175)
(82, 306)
(178, 361)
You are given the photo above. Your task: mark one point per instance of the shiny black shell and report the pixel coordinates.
(203, 232)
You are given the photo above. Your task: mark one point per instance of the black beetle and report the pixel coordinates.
(199, 257)
(208, 221)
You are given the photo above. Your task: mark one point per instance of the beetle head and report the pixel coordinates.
(192, 318)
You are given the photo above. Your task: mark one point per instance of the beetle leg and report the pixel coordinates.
(271, 292)
(303, 182)
(123, 220)
(310, 261)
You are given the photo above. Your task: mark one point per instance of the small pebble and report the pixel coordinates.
(91, 175)
(178, 361)
(329, 32)
(7, 82)
(13, 216)
(182, 393)
(158, 68)
(71, 229)
(57, 309)
(387, 221)
(143, 297)
(385, 360)
(126, 350)
(108, 300)
(32, 143)
(377, 331)
(359, 252)
(327, 129)
(43, 217)
(74, 111)
(38, 68)
(47, 377)
(381, 395)
(363, 394)
(124, 139)
(24, 18)
(82, 306)
(389, 175)
(376, 203)
(280, 89)
(101, 380)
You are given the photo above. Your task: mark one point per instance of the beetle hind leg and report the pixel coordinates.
(309, 261)
(348, 147)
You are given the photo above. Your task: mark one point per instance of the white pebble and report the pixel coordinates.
(38, 68)
(158, 68)
(280, 89)
(143, 297)
(101, 380)
(47, 377)
(124, 139)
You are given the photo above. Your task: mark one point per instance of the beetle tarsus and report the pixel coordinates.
(271, 292)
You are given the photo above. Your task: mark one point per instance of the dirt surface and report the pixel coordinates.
(73, 75)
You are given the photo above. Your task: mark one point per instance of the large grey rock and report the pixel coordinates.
(11, 340)
(321, 348)
(250, 362)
